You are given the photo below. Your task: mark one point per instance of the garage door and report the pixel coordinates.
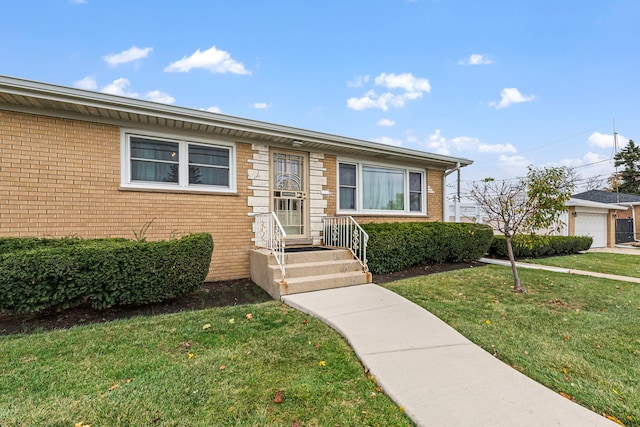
(594, 225)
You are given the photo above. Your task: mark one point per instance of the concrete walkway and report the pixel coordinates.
(438, 376)
(506, 263)
(620, 249)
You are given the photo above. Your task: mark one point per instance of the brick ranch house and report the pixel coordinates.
(83, 163)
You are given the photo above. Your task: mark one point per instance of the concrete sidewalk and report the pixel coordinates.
(507, 263)
(438, 376)
(619, 249)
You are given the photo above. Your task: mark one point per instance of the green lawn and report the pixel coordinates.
(212, 367)
(601, 262)
(577, 335)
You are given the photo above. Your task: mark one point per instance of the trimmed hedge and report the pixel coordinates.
(396, 246)
(38, 274)
(533, 246)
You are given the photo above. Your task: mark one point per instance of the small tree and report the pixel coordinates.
(524, 205)
(627, 180)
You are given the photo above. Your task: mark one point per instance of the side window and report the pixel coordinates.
(166, 163)
(154, 161)
(348, 186)
(208, 165)
(415, 191)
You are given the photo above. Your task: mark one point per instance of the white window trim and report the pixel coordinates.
(125, 163)
(360, 211)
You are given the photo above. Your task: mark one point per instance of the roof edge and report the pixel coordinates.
(30, 88)
(591, 204)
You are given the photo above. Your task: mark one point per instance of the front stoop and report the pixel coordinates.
(306, 271)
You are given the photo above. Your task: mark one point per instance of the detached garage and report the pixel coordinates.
(593, 225)
(594, 219)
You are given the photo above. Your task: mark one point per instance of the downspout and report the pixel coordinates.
(633, 216)
(456, 200)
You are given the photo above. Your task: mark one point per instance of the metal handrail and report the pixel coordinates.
(345, 232)
(271, 235)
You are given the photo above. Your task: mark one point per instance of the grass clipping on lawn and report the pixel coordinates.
(579, 336)
(263, 364)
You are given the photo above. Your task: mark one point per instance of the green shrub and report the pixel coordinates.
(396, 246)
(10, 244)
(534, 246)
(40, 274)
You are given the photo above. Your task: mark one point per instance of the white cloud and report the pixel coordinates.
(593, 158)
(88, 83)
(476, 59)
(437, 143)
(496, 148)
(261, 105)
(440, 144)
(389, 141)
(132, 54)
(119, 87)
(410, 88)
(588, 159)
(212, 59)
(511, 95)
(404, 81)
(358, 81)
(386, 122)
(214, 110)
(601, 140)
(373, 100)
(157, 96)
(465, 142)
(513, 166)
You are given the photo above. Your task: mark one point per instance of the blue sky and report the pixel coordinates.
(504, 83)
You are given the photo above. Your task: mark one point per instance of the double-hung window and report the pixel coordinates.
(373, 188)
(347, 184)
(167, 163)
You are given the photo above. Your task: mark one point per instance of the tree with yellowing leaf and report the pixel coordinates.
(525, 204)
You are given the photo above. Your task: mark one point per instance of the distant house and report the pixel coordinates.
(625, 218)
(76, 162)
(466, 210)
(596, 219)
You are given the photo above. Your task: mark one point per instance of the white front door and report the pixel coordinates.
(289, 192)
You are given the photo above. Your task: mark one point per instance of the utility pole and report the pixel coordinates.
(615, 151)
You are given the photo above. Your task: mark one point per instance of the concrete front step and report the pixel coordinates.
(306, 271)
(315, 256)
(324, 281)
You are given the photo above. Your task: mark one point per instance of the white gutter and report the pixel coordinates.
(590, 204)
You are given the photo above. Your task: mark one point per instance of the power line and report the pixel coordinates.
(591, 164)
(563, 139)
(552, 142)
(521, 177)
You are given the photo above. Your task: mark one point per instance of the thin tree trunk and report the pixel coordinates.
(517, 287)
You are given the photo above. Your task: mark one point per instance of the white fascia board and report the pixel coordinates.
(589, 204)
